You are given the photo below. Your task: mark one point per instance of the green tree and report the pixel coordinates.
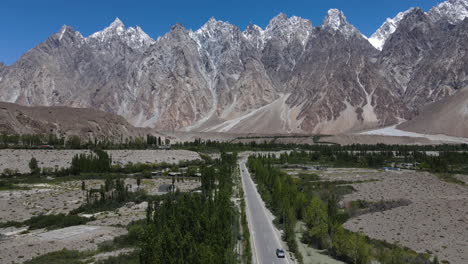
(316, 219)
(138, 181)
(359, 250)
(34, 166)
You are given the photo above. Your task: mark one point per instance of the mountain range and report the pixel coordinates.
(290, 77)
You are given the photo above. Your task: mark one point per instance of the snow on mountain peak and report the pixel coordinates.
(117, 24)
(283, 27)
(68, 32)
(452, 10)
(379, 38)
(336, 21)
(255, 35)
(212, 26)
(134, 37)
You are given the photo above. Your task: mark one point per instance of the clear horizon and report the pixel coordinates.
(27, 23)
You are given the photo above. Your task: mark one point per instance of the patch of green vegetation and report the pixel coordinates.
(55, 221)
(8, 186)
(49, 222)
(308, 176)
(111, 196)
(449, 178)
(63, 256)
(11, 224)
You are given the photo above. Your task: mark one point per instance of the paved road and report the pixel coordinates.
(265, 240)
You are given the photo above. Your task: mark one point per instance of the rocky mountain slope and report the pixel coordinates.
(290, 77)
(65, 121)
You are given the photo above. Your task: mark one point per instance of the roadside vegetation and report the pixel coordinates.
(316, 204)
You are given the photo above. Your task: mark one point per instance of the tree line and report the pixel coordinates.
(32, 141)
(194, 228)
(200, 145)
(443, 161)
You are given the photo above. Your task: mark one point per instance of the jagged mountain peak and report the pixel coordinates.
(117, 23)
(178, 27)
(336, 21)
(452, 10)
(253, 27)
(415, 16)
(284, 27)
(379, 38)
(178, 31)
(67, 32)
(134, 37)
(116, 27)
(282, 20)
(280, 17)
(255, 35)
(213, 25)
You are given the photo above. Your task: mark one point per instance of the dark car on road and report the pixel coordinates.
(280, 253)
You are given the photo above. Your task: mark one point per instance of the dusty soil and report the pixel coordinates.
(66, 196)
(41, 199)
(152, 156)
(463, 178)
(23, 247)
(62, 198)
(19, 159)
(436, 221)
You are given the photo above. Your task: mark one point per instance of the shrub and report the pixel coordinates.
(55, 221)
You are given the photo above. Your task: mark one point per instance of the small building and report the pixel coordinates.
(314, 168)
(175, 174)
(157, 173)
(166, 147)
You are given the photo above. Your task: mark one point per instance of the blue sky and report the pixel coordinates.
(25, 23)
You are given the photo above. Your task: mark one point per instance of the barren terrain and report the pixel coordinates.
(19, 158)
(436, 221)
(23, 247)
(19, 205)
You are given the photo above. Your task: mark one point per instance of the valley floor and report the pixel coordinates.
(436, 220)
